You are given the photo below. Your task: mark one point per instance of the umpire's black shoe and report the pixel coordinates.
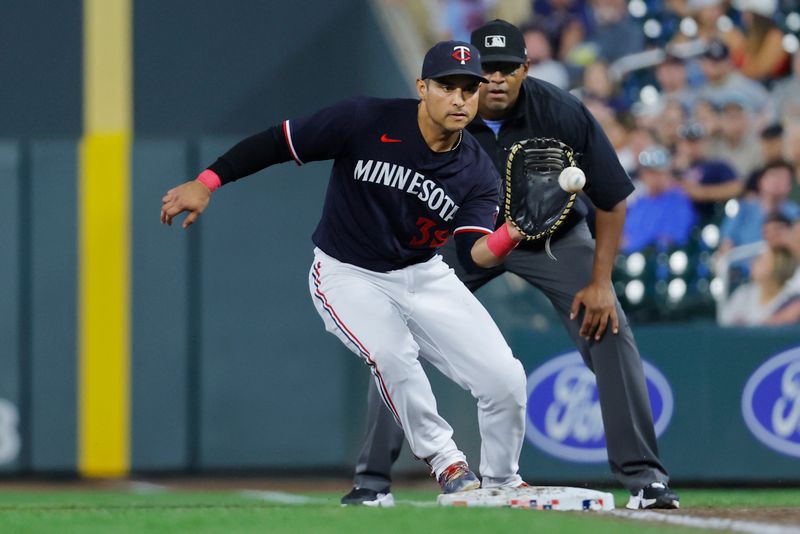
(367, 497)
(654, 495)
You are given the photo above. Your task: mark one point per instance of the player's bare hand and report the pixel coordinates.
(192, 197)
(600, 310)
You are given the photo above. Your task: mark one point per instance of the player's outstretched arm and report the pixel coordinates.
(192, 197)
(490, 250)
(248, 156)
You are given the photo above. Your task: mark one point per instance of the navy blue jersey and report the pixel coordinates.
(391, 201)
(709, 172)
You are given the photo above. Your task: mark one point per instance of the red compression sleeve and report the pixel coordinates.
(500, 242)
(210, 179)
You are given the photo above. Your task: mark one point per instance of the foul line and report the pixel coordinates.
(282, 497)
(713, 523)
(418, 504)
(146, 488)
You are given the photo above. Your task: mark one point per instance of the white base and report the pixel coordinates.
(533, 497)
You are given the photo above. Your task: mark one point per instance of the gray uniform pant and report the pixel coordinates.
(615, 361)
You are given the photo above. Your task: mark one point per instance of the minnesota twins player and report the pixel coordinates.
(405, 178)
(513, 107)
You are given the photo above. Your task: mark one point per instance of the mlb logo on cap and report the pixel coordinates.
(495, 41)
(500, 41)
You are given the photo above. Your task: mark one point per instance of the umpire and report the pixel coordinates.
(514, 107)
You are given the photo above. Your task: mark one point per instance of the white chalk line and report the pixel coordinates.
(282, 497)
(711, 523)
(145, 488)
(418, 504)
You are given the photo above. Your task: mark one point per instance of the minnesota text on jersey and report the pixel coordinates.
(397, 176)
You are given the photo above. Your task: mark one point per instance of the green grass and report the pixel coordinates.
(230, 511)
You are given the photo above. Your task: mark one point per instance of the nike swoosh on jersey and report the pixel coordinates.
(386, 139)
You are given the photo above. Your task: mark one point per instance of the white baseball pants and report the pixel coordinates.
(389, 319)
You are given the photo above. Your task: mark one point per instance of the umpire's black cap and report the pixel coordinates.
(773, 131)
(500, 41)
(451, 58)
(692, 131)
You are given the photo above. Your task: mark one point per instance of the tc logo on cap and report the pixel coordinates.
(495, 41)
(462, 54)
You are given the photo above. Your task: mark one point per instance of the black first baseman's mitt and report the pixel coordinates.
(535, 203)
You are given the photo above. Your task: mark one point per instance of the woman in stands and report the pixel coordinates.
(758, 50)
(768, 299)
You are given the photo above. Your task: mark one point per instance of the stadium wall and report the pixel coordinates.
(230, 369)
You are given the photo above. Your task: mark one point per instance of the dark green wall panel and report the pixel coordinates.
(230, 68)
(272, 380)
(41, 43)
(10, 295)
(160, 369)
(54, 225)
(707, 368)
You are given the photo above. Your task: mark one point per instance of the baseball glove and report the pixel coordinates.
(535, 203)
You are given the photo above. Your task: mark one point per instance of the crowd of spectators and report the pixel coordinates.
(701, 99)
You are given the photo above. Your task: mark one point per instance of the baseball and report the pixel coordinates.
(572, 179)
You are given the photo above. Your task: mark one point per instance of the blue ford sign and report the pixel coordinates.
(563, 414)
(771, 403)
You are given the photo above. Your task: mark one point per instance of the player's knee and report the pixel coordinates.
(515, 382)
(518, 384)
(507, 383)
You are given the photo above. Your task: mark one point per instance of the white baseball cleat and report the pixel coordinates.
(367, 497)
(654, 495)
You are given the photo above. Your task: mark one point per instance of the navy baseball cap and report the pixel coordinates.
(500, 42)
(692, 131)
(773, 131)
(716, 50)
(451, 58)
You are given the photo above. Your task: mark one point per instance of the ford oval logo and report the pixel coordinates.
(563, 413)
(771, 403)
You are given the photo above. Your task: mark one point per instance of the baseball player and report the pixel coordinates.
(405, 177)
(514, 107)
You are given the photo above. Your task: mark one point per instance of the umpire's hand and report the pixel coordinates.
(601, 309)
(191, 196)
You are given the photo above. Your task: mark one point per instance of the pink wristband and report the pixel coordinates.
(500, 242)
(209, 179)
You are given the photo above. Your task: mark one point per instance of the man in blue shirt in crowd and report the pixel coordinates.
(708, 182)
(663, 216)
